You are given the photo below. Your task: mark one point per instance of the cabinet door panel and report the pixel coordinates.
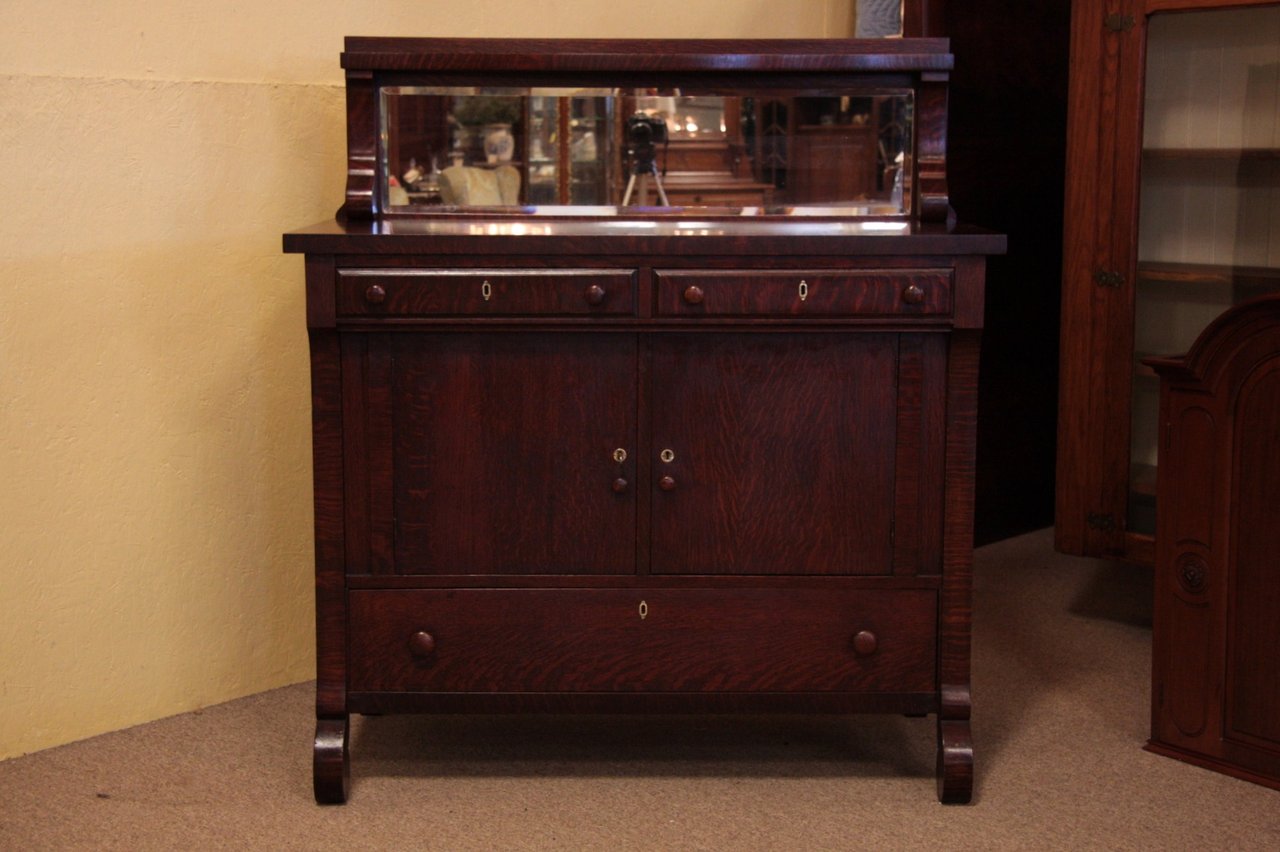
(782, 453)
(503, 452)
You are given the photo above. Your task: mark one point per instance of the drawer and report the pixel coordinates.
(481, 292)
(805, 293)
(642, 640)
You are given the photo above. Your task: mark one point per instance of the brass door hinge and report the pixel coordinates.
(1119, 23)
(1108, 278)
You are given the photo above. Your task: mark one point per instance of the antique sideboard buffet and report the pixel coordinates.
(579, 450)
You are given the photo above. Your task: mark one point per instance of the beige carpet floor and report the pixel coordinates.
(1061, 683)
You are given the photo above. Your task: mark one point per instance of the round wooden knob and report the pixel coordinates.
(375, 294)
(693, 294)
(865, 643)
(666, 483)
(619, 485)
(422, 644)
(594, 294)
(913, 294)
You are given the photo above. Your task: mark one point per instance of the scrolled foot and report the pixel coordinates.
(955, 762)
(330, 766)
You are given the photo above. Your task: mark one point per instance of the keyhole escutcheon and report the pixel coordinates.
(804, 290)
(486, 290)
(644, 610)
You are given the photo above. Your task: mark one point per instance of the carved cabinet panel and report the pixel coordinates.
(1216, 670)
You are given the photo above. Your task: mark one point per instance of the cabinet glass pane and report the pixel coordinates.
(1209, 223)
(610, 151)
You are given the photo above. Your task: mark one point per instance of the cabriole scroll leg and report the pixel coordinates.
(331, 770)
(955, 748)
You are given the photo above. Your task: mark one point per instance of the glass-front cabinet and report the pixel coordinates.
(1173, 216)
(1209, 215)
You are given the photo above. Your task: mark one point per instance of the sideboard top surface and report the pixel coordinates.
(619, 55)
(651, 236)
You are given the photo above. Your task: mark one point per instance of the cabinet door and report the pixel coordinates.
(478, 453)
(1172, 208)
(773, 453)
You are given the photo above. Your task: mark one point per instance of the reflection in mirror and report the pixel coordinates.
(612, 151)
(878, 18)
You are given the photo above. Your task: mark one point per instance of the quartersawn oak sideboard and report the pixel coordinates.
(638, 458)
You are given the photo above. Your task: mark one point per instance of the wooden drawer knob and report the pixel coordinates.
(913, 294)
(594, 294)
(865, 643)
(375, 295)
(693, 294)
(422, 645)
(619, 485)
(667, 483)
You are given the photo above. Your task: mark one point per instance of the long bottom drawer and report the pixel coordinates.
(642, 640)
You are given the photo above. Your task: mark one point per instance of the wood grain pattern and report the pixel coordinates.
(493, 292)
(1253, 665)
(1104, 153)
(328, 483)
(631, 55)
(826, 293)
(783, 453)
(1215, 699)
(362, 149)
(642, 640)
(500, 452)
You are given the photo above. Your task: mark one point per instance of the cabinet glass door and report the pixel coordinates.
(1209, 220)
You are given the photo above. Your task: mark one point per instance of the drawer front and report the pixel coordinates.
(805, 293)
(642, 640)
(481, 293)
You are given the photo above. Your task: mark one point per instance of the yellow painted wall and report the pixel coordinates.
(155, 518)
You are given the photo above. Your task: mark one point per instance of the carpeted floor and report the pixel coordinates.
(1061, 681)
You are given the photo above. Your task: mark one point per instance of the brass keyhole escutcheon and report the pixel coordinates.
(619, 455)
(804, 290)
(486, 290)
(644, 610)
(667, 456)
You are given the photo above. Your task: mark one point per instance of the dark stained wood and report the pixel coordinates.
(400, 237)
(641, 463)
(449, 292)
(804, 293)
(500, 452)
(606, 57)
(1104, 153)
(331, 766)
(362, 148)
(1215, 670)
(783, 448)
(906, 703)
(643, 640)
